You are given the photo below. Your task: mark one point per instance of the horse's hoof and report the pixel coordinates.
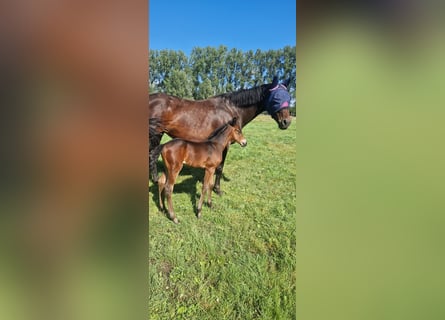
(199, 215)
(175, 220)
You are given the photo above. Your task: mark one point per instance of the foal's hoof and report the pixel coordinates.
(199, 215)
(175, 220)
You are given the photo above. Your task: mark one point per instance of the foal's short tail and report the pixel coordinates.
(154, 155)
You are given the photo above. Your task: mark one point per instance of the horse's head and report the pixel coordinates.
(278, 103)
(237, 135)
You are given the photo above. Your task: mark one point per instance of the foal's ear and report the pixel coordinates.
(233, 121)
(274, 82)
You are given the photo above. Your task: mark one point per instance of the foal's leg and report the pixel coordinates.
(172, 175)
(210, 187)
(161, 185)
(205, 188)
(219, 170)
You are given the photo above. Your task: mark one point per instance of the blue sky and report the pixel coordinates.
(248, 24)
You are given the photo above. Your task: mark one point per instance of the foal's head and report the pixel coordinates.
(229, 133)
(235, 132)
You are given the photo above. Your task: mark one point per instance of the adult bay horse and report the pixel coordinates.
(196, 120)
(206, 155)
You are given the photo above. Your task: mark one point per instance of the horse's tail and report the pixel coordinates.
(154, 155)
(154, 142)
(153, 132)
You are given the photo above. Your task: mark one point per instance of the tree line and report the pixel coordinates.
(210, 71)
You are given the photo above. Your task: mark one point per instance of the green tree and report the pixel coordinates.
(233, 64)
(212, 70)
(205, 90)
(209, 63)
(162, 63)
(178, 84)
(152, 88)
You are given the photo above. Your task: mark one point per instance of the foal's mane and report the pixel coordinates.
(218, 131)
(245, 97)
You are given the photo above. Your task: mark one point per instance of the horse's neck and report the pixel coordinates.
(250, 112)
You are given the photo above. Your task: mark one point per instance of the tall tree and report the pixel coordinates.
(178, 84)
(205, 90)
(212, 70)
(162, 63)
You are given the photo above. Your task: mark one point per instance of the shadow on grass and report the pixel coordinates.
(187, 186)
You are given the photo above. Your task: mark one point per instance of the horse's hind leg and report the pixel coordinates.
(161, 186)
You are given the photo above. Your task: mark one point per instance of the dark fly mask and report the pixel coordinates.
(279, 98)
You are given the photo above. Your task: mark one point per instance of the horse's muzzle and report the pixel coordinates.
(243, 143)
(284, 124)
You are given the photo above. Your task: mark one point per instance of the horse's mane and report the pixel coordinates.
(245, 97)
(240, 98)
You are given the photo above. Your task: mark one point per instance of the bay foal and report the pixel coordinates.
(207, 155)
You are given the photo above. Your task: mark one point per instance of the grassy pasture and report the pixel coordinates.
(238, 260)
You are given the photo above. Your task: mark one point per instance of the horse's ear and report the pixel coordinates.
(274, 82)
(286, 83)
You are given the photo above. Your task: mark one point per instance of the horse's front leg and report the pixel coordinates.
(206, 188)
(219, 170)
(209, 187)
(169, 185)
(168, 195)
(161, 185)
(201, 198)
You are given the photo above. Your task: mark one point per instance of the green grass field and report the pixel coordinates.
(237, 261)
